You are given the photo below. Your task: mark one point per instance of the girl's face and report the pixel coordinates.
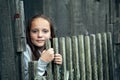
(40, 31)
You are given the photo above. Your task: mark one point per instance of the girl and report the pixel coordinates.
(39, 29)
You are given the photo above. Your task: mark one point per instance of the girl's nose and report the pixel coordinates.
(40, 34)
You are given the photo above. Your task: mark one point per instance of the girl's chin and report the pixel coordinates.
(40, 45)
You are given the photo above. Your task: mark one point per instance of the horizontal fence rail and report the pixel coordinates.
(84, 58)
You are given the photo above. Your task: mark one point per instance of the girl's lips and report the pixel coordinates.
(40, 41)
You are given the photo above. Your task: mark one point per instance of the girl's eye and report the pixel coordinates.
(45, 30)
(34, 31)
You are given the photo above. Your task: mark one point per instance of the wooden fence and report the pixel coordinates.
(84, 58)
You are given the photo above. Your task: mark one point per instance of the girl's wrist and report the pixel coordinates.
(43, 60)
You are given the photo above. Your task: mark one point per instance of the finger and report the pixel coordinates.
(58, 62)
(57, 55)
(58, 59)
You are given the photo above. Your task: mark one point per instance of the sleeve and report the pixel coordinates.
(26, 58)
(41, 68)
(41, 65)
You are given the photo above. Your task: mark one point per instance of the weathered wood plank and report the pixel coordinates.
(75, 58)
(93, 57)
(105, 57)
(64, 75)
(81, 57)
(56, 67)
(9, 59)
(110, 56)
(49, 67)
(32, 70)
(69, 57)
(88, 59)
(99, 56)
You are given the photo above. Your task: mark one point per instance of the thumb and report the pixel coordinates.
(43, 51)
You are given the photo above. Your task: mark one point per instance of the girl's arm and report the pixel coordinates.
(27, 57)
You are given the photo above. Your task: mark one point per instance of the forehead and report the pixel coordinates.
(40, 22)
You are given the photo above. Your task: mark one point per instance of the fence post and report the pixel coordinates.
(99, 56)
(62, 48)
(56, 67)
(75, 58)
(20, 27)
(69, 57)
(93, 57)
(49, 67)
(88, 59)
(81, 57)
(32, 70)
(110, 56)
(105, 57)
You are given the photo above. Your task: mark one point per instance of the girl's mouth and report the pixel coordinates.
(40, 41)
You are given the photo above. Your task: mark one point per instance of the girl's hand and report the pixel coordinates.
(58, 59)
(47, 55)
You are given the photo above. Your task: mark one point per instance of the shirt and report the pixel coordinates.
(27, 57)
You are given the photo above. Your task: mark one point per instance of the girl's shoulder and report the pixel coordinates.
(28, 47)
(27, 55)
(27, 50)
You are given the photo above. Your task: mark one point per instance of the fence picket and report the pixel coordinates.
(32, 70)
(110, 56)
(49, 68)
(99, 56)
(82, 57)
(105, 57)
(93, 57)
(88, 59)
(75, 58)
(56, 67)
(69, 57)
(63, 51)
